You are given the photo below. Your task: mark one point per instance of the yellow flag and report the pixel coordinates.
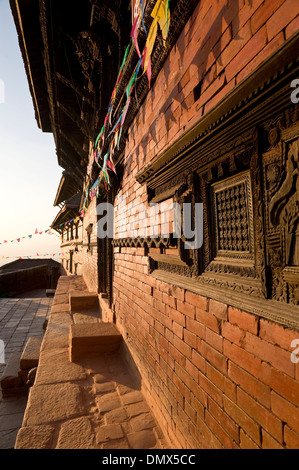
(160, 16)
(151, 38)
(160, 13)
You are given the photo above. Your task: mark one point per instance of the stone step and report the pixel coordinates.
(96, 338)
(30, 356)
(87, 316)
(83, 301)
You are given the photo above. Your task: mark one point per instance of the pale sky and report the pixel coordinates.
(29, 171)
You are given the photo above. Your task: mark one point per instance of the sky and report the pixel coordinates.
(29, 171)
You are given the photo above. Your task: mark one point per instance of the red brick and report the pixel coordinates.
(246, 442)
(224, 420)
(185, 78)
(260, 414)
(276, 356)
(177, 355)
(190, 412)
(199, 361)
(190, 339)
(291, 438)
(186, 378)
(285, 411)
(250, 50)
(215, 87)
(268, 442)
(234, 47)
(176, 316)
(198, 406)
(218, 309)
(245, 321)
(178, 330)
(264, 54)
(243, 358)
(182, 347)
(277, 334)
(208, 439)
(250, 384)
(185, 391)
(214, 340)
(263, 13)
(282, 17)
(211, 389)
(157, 294)
(207, 319)
(219, 432)
(221, 381)
(213, 356)
(240, 417)
(165, 364)
(245, 13)
(179, 397)
(196, 327)
(292, 28)
(196, 300)
(233, 333)
(220, 95)
(192, 370)
(186, 308)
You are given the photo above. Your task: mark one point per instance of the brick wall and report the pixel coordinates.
(68, 245)
(216, 376)
(90, 255)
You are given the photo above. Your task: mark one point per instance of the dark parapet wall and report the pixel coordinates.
(16, 282)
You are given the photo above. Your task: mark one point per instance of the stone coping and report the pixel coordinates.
(94, 403)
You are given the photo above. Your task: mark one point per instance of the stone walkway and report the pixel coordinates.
(19, 319)
(94, 403)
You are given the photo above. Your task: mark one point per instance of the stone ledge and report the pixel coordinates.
(100, 338)
(30, 355)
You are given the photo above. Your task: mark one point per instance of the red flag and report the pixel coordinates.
(19, 240)
(36, 231)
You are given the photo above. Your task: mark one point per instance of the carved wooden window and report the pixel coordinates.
(232, 204)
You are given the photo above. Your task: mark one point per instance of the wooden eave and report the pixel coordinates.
(25, 14)
(68, 187)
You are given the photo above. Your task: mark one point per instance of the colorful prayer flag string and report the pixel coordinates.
(161, 18)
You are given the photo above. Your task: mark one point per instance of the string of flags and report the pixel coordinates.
(75, 220)
(161, 18)
(37, 232)
(38, 255)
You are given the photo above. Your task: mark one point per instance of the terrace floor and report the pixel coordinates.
(20, 318)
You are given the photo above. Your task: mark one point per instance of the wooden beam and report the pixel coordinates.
(70, 113)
